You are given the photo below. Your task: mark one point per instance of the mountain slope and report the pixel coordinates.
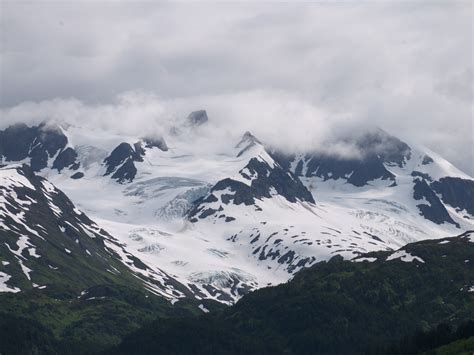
(373, 152)
(61, 273)
(226, 214)
(364, 305)
(47, 241)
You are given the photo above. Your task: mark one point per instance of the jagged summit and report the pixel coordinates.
(372, 154)
(248, 141)
(260, 179)
(248, 214)
(120, 163)
(379, 143)
(44, 146)
(197, 118)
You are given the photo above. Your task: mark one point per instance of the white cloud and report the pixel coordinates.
(293, 71)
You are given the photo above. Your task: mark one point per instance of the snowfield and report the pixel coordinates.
(254, 245)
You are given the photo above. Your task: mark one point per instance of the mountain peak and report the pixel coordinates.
(197, 118)
(39, 144)
(121, 161)
(388, 148)
(247, 141)
(50, 126)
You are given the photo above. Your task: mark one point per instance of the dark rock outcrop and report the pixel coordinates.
(121, 162)
(375, 149)
(456, 192)
(67, 158)
(426, 160)
(78, 175)
(39, 144)
(264, 181)
(434, 209)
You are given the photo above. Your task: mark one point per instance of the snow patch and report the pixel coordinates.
(370, 260)
(404, 256)
(3, 284)
(202, 308)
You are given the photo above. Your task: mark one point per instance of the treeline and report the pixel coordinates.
(427, 342)
(210, 336)
(336, 307)
(20, 335)
(205, 335)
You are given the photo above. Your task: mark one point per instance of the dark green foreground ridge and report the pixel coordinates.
(338, 307)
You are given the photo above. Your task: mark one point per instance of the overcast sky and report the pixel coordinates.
(283, 69)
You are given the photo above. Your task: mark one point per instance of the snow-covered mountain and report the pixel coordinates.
(221, 217)
(47, 242)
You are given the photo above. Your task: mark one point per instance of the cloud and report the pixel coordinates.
(280, 119)
(404, 66)
(277, 117)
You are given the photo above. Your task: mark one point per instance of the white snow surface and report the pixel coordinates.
(404, 256)
(3, 284)
(370, 260)
(147, 215)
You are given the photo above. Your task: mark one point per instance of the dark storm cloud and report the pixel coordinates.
(405, 66)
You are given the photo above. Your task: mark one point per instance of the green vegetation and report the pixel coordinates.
(78, 293)
(39, 323)
(458, 347)
(335, 307)
(433, 341)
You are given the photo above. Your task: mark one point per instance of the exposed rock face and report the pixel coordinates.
(67, 158)
(121, 162)
(456, 192)
(263, 179)
(357, 172)
(375, 149)
(427, 160)
(39, 144)
(78, 175)
(432, 208)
